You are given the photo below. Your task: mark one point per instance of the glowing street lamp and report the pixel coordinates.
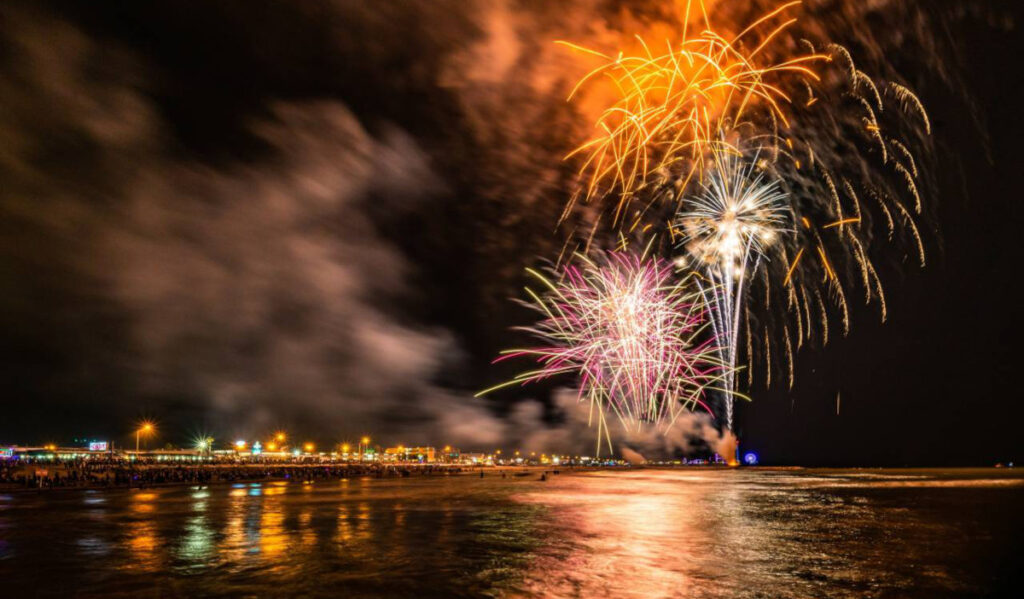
(280, 437)
(309, 447)
(146, 429)
(204, 444)
(344, 448)
(239, 445)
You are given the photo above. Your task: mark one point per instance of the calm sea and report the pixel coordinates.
(640, 533)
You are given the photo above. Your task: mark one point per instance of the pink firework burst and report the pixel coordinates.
(636, 335)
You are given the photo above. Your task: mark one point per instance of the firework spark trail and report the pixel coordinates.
(831, 250)
(781, 156)
(726, 229)
(635, 335)
(671, 107)
(821, 125)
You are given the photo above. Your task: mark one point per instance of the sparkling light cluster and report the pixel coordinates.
(634, 333)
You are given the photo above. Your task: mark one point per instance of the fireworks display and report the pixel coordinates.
(635, 334)
(333, 223)
(726, 228)
(851, 169)
(773, 165)
(671, 107)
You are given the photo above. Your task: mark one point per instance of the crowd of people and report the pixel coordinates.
(112, 472)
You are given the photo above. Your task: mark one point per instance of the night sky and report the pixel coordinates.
(233, 217)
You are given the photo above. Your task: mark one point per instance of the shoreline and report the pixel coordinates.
(289, 473)
(217, 474)
(302, 472)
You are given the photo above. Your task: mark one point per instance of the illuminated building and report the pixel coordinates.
(407, 454)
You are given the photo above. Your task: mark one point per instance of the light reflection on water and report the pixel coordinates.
(646, 533)
(779, 534)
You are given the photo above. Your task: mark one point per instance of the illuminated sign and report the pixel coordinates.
(98, 446)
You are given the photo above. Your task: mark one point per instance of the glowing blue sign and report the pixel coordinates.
(750, 458)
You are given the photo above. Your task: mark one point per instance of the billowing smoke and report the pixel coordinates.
(632, 457)
(246, 292)
(692, 433)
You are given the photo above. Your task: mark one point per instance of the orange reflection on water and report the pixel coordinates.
(353, 532)
(307, 534)
(275, 488)
(142, 542)
(273, 540)
(142, 502)
(344, 525)
(626, 522)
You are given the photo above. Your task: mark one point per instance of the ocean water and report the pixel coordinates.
(698, 532)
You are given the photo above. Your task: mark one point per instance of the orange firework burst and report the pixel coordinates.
(672, 108)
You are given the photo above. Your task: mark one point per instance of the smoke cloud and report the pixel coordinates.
(247, 292)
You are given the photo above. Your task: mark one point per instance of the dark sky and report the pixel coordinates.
(238, 216)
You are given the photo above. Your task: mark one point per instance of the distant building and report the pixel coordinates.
(476, 458)
(50, 452)
(161, 455)
(410, 454)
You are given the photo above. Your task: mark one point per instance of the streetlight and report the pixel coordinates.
(204, 444)
(147, 428)
(280, 437)
(344, 448)
(309, 447)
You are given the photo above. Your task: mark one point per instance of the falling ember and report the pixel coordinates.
(636, 337)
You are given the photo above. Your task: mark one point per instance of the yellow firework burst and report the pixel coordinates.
(671, 105)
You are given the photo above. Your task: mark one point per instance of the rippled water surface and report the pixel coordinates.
(642, 533)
